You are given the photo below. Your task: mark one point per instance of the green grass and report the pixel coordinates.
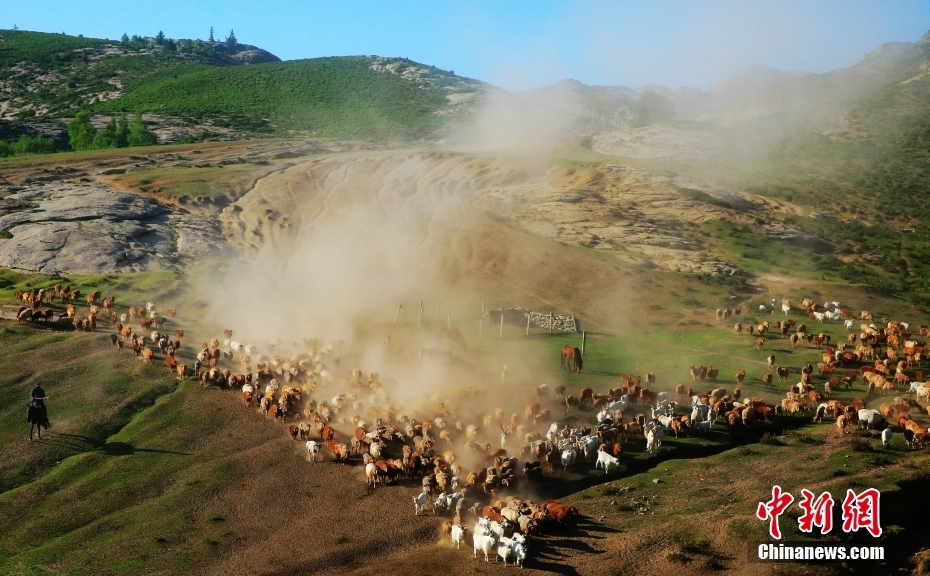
(41, 48)
(325, 96)
(134, 288)
(214, 182)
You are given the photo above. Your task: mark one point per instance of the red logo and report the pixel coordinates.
(861, 512)
(774, 508)
(816, 512)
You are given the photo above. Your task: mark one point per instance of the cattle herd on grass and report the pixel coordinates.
(466, 459)
(886, 356)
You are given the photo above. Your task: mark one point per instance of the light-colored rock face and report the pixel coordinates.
(660, 142)
(633, 212)
(70, 228)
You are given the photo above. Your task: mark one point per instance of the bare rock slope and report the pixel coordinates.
(70, 228)
(638, 214)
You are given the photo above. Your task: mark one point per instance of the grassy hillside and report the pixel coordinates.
(42, 48)
(325, 96)
(52, 75)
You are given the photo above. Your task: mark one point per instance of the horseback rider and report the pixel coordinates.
(38, 400)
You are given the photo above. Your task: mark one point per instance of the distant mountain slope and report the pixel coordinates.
(874, 156)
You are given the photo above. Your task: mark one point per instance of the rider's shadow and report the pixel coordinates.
(115, 448)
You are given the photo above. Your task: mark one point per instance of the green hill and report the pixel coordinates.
(54, 75)
(324, 96)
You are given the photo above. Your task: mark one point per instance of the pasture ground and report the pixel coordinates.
(143, 474)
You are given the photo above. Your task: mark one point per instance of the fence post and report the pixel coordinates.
(550, 322)
(501, 335)
(528, 323)
(419, 314)
(397, 314)
(584, 337)
(437, 311)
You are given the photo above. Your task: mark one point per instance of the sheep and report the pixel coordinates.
(886, 437)
(869, 418)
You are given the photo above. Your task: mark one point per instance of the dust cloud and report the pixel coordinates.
(349, 265)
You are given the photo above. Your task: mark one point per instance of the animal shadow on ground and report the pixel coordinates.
(109, 448)
(564, 542)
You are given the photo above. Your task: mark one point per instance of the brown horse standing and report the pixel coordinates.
(571, 358)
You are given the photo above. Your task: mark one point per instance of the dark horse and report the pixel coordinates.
(37, 416)
(571, 358)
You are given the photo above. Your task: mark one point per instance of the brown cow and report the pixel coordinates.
(327, 433)
(560, 513)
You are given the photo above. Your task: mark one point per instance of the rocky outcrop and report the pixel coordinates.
(711, 268)
(255, 56)
(71, 228)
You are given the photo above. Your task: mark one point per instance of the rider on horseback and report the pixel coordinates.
(38, 400)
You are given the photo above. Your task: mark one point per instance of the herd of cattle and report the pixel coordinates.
(462, 457)
(880, 354)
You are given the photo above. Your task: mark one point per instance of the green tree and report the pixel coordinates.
(170, 46)
(160, 38)
(81, 132)
(139, 133)
(34, 145)
(124, 39)
(122, 132)
(106, 138)
(5, 149)
(231, 41)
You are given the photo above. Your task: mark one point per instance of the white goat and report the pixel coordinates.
(458, 535)
(485, 543)
(313, 447)
(419, 501)
(607, 460)
(886, 437)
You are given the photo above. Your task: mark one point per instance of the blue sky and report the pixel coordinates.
(520, 44)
